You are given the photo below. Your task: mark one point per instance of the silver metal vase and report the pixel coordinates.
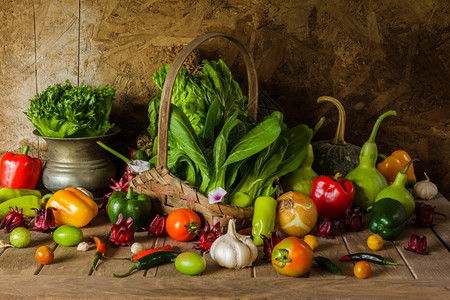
(78, 162)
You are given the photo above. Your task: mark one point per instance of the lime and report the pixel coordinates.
(20, 237)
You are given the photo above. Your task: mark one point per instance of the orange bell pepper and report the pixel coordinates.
(73, 207)
(391, 165)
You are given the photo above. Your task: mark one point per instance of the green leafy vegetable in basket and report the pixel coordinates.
(207, 98)
(62, 111)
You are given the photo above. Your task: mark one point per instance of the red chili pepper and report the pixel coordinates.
(332, 195)
(20, 171)
(141, 254)
(100, 252)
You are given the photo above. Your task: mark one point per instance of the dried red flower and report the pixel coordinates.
(44, 220)
(424, 214)
(158, 226)
(207, 237)
(15, 218)
(353, 220)
(327, 228)
(269, 244)
(417, 244)
(122, 233)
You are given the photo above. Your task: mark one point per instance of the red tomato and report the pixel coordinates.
(44, 255)
(292, 257)
(182, 224)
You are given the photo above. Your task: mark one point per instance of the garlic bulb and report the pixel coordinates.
(233, 250)
(83, 246)
(136, 248)
(425, 189)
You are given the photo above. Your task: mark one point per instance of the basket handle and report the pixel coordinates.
(166, 96)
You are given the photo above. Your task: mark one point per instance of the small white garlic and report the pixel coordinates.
(425, 189)
(83, 246)
(233, 250)
(86, 192)
(136, 248)
(4, 244)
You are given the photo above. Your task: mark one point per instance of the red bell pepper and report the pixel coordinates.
(20, 171)
(332, 195)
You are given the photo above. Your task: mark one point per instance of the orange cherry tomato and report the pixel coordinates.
(292, 257)
(362, 269)
(44, 255)
(183, 224)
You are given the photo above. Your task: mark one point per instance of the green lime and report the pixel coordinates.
(20, 237)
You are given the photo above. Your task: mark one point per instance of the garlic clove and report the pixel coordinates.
(425, 189)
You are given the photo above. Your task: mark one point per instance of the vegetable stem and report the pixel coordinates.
(114, 152)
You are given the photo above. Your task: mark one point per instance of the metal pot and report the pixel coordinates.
(78, 162)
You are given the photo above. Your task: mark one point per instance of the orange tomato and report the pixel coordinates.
(296, 214)
(292, 257)
(362, 269)
(182, 224)
(44, 255)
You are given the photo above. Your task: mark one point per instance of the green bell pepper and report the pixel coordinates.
(388, 218)
(132, 204)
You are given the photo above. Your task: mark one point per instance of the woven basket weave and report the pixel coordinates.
(168, 191)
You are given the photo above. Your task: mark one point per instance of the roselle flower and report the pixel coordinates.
(269, 244)
(327, 228)
(44, 220)
(207, 236)
(122, 233)
(424, 214)
(158, 226)
(353, 220)
(417, 244)
(15, 218)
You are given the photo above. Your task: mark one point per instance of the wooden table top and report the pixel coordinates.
(69, 276)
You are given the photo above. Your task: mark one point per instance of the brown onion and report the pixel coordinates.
(296, 214)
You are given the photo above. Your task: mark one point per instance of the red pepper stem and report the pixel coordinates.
(405, 169)
(337, 176)
(25, 150)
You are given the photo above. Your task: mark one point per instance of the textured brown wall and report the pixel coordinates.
(372, 55)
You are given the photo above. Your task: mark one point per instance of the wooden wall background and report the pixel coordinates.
(372, 55)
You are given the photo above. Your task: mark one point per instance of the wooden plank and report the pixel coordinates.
(196, 287)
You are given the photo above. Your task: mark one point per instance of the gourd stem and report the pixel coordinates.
(373, 134)
(340, 130)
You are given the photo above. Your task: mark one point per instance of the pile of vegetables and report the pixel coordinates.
(65, 111)
(212, 143)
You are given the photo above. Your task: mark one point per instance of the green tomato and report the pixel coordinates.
(190, 263)
(20, 237)
(67, 235)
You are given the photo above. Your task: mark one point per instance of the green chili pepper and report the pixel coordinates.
(27, 203)
(373, 258)
(263, 221)
(398, 191)
(368, 181)
(328, 265)
(131, 204)
(7, 193)
(151, 260)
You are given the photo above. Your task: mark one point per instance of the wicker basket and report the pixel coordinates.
(168, 191)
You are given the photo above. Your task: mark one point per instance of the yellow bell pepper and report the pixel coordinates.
(391, 165)
(73, 207)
